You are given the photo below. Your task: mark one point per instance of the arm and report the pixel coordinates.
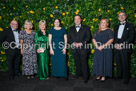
(50, 44)
(70, 37)
(131, 34)
(65, 46)
(21, 42)
(88, 36)
(3, 36)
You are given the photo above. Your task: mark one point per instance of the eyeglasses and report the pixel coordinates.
(14, 24)
(121, 15)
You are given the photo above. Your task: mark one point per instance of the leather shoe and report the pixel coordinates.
(76, 77)
(19, 75)
(11, 78)
(85, 81)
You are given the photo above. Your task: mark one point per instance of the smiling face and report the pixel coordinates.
(77, 20)
(14, 24)
(42, 26)
(28, 26)
(56, 23)
(122, 17)
(103, 24)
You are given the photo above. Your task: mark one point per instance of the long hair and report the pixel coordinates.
(101, 22)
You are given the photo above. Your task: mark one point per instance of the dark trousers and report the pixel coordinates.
(122, 61)
(81, 64)
(14, 63)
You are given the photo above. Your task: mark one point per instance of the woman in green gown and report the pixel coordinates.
(41, 41)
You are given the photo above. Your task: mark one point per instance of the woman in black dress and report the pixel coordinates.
(102, 39)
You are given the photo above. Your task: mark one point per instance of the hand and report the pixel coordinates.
(38, 50)
(118, 46)
(100, 48)
(79, 44)
(74, 44)
(51, 52)
(64, 51)
(22, 51)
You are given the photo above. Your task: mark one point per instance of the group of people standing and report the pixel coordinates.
(36, 47)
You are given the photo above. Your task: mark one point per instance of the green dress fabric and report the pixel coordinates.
(42, 58)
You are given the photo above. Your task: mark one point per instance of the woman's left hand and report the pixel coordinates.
(64, 51)
(100, 48)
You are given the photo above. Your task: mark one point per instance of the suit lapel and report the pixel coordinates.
(80, 28)
(117, 30)
(11, 32)
(125, 29)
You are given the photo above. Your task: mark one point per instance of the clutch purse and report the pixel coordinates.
(41, 50)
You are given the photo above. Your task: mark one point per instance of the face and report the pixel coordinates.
(42, 26)
(14, 24)
(56, 23)
(122, 17)
(103, 24)
(28, 26)
(77, 20)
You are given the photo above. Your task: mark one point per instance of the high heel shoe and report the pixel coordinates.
(102, 80)
(98, 78)
(28, 77)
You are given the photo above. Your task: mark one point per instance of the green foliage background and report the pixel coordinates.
(92, 11)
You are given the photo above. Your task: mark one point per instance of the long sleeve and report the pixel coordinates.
(69, 36)
(3, 36)
(36, 41)
(130, 39)
(88, 36)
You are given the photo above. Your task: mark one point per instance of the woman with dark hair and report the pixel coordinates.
(102, 39)
(58, 42)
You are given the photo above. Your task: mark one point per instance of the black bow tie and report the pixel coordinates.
(77, 26)
(15, 30)
(122, 23)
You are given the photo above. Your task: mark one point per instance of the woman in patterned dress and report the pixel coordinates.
(29, 65)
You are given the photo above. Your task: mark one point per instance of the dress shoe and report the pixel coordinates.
(116, 78)
(76, 77)
(126, 83)
(66, 78)
(85, 81)
(19, 75)
(11, 78)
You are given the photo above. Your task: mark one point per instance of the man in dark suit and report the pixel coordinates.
(9, 39)
(124, 36)
(79, 36)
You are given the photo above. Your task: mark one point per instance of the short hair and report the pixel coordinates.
(28, 22)
(42, 22)
(122, 12)
(78, 15)
(58, 20)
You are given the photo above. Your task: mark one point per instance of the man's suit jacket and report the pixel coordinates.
(8, 36)
(83, 36)
(127, 36)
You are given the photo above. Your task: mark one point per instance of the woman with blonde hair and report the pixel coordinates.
(102, 39)
(41, 41)
(29, 66)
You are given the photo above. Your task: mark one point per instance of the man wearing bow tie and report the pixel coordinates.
(124, 35)
(79, 36)
(10, 38)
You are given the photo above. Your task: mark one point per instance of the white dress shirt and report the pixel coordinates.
(120, 30)
(77, 28)
(16, 36)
